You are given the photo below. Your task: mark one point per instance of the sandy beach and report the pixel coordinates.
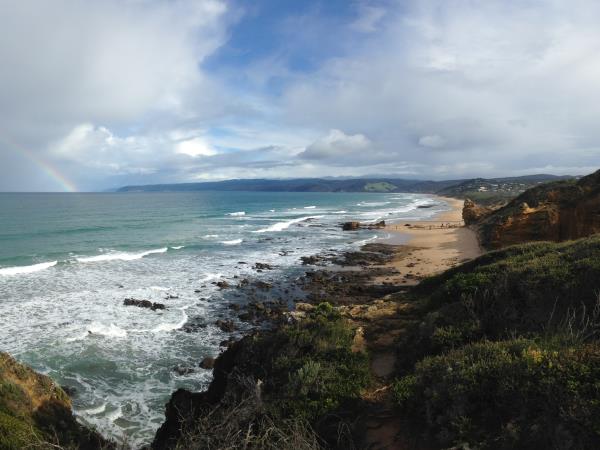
(433, 245)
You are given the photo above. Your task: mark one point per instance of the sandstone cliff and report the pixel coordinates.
(473, 213)
(550, 212)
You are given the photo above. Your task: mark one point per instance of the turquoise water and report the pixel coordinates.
(67, 261)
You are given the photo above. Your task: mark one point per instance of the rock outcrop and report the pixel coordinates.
(473, 213)
(36, 413)
(550, 212)
(353, 226)
(143, 304)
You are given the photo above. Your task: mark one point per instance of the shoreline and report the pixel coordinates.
(430, 246)
(363, 285)
(367, 287)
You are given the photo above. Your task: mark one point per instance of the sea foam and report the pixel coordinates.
(109, 331)
(173, 326)
(27, 269)
(237, 214)
(120, 256)
(233, 242)
(280, 226)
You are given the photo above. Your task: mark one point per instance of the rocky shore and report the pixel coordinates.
(366, 289)
(348, 284)
(360, 294)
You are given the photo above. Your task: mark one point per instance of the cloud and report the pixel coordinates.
(119, 92)
(195, 147)
(487, 82)
(128, 65)
(432, 141)
(336, 144)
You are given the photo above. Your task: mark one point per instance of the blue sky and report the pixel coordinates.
(99, 94)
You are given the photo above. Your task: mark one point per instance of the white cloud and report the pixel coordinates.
(501, 86)
(116, 92)
(109, 60)
(336, 144)
(195, 147)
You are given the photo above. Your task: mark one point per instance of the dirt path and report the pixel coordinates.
(380, 324)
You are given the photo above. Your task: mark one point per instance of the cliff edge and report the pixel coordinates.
(36, 413)
(558, 211)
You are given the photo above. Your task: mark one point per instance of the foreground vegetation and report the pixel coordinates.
(287, 389)
(507, 355)
(35, 413)
(504, 352)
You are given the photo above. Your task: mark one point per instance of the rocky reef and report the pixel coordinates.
(36, 413)
(557, 211)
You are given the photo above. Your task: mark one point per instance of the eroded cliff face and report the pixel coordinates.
(551, 212)
(473, 213)
(36, 413)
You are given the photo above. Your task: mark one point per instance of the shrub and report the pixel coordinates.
(524, 290)
(315, 369)
(509, 394)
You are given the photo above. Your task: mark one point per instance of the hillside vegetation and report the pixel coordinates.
(287, 389)
(35, 413)
(507, 354)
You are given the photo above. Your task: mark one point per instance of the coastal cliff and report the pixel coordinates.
(36, 413)
(555, 211)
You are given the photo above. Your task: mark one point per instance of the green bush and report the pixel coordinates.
(510, 394)
(315, 369)
(525, 290)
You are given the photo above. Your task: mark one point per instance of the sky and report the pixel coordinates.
(97, 94)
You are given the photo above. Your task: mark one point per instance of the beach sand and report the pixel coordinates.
(431, 246)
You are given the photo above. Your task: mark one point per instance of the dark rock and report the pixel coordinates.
(69, 390)
(143, 304)
(181, 370)
(349, 226)
(263, 285)
(194, 325)
(380, 224)
(246, 316)
(262, 266)
(310, 260)
(207, 363)
(222, 284)
(226, 325)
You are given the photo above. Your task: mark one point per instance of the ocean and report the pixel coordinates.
(67, 262)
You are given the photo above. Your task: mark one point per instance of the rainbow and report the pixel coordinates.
(51, 172)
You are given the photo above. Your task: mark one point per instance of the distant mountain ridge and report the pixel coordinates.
(458, 188)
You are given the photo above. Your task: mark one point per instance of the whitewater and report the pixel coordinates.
(68, 261)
